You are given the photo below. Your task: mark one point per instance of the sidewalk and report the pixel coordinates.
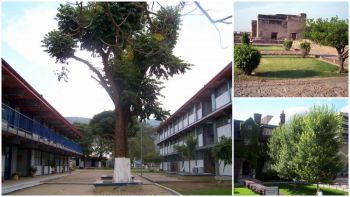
(25, 182)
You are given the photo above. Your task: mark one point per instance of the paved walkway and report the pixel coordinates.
(81, 183)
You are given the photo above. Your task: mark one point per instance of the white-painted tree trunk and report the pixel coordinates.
(122, 170)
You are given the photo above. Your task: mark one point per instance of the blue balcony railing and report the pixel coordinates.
(18, 121)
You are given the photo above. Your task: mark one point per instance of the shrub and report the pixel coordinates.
(245, 38)
(287, 44)
(246, 58)
(305, 48)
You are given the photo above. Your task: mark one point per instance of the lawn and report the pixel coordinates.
(286, 67)
(200, 188)
(243, 191)
(288, 189)
(269, 47)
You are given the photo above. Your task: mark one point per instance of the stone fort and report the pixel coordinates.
(272, 28)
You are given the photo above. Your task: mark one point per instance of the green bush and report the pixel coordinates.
(245, 38)
(287, 44)
(305, 48)
(246, 58)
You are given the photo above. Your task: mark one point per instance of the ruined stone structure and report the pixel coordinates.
(272, 28)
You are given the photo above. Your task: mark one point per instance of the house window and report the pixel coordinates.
(273, 35)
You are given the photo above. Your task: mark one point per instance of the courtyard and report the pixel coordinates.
(81, 182)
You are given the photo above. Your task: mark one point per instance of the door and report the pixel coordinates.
(245, 167)
(293, 36)
(274, 36)
(6, 163)
(23, 162)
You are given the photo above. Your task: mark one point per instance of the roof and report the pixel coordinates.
(213, 83)
(31, 101)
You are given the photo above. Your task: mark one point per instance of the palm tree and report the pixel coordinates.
(188, 149)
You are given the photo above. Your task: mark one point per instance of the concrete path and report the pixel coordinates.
(81, 183)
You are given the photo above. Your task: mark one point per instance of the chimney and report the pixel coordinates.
(257, 118)
(282, 118)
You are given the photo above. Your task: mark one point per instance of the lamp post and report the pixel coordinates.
(141, 147)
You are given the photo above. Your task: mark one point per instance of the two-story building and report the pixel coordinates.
(208, 115)
(34, 134)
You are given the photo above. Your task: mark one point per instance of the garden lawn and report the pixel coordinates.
(243, 191)
(286, 67)
(200, 188)
(269, 47)
(288, 189)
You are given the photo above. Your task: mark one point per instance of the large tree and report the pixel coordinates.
(333, 32)
(135, 45)
(308, 147)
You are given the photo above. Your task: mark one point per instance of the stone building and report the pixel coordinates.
(271, 28)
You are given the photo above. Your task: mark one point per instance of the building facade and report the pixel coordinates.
(208, 115)
(34, 134)
(270, 28)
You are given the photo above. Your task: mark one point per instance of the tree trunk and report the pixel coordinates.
(120, 132)
(341, 64)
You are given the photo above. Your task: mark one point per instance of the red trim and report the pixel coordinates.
(223, 72)
(8, 69)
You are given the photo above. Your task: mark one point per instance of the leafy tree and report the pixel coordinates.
(287, 44)
(305, 48)
(86, 141)
(152, 157)
(135, 45)
(308, 147)
(246, 58)
(333, 32)
(188, 149)
(245, 38)
(222, 151)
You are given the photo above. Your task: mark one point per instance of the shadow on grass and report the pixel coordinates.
(290, 189)
(292, 74)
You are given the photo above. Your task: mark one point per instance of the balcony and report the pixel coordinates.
(19, 124)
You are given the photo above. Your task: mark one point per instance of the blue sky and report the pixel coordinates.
(245, 12)
(24, 24)
(244, 108)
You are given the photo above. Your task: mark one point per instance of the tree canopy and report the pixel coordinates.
(135, 44)
(333, 32)
(307, 148)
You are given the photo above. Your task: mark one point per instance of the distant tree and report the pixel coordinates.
(245, 38)
(86, 141)
(307, 148)
(222, 151)
(188, 149)
(246, 58)
(287, 44)
(135, 45)
(333, 32)
(305, 48)
(151, 158)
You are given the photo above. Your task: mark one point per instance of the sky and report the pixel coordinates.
(245, 12)
(24, 25)
(245, 108)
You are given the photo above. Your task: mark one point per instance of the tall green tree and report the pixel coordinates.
(308, 147)
(135, 45)
(333, 32)
(222, 151)
(86, 141)
(188, 150)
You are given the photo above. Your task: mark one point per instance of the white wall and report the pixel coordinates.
(227, 170)
(200, 139)
(222, 100)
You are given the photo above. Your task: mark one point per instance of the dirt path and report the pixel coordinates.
(312, 87)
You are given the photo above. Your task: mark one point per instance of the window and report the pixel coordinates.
(37, 158)
(273, 35)
(222, 89)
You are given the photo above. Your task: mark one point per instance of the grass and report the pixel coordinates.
(269, 47)
(243, 191)
(288, 189)
(200, 188)
(286, 67)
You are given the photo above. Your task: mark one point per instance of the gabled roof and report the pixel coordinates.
(31, 101)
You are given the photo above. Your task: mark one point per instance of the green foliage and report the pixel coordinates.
(152, 157)
(305, 48)
(187, 151)
(222, 150)
(245, 38)
(135, 45)
(287, 44)
(246, 58)
(333, 32)
(307, 148)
